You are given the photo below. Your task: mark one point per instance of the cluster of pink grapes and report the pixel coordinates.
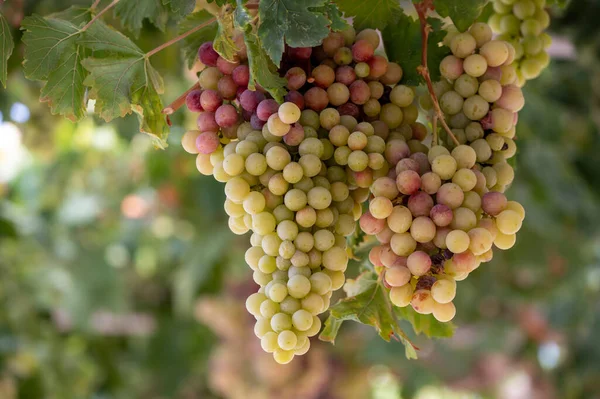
(297, 174)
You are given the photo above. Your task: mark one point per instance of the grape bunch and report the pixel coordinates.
(522, 24)
(298, 174)
(440, 211)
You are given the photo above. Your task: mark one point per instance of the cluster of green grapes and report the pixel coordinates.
(522, 24)
(296, 174)
(440, 212)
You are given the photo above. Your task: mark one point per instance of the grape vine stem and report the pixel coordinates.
(179, 101)
(423, 69)
(95, 5)
(97, 16)
(180, 37)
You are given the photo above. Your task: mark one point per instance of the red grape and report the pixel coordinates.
(266, 108)
(192, 101)
(207, 142)
(207, 54)
(206, 122)
(226, 115)
(210, 100)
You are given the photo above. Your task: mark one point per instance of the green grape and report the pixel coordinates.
(444, 312)
(401, 296)
(457, 241)
(466, 85)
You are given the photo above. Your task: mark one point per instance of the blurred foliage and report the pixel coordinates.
(120, 279)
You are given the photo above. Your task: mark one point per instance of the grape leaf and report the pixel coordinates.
(402, 40)
(53, 55)
(181, 8)
(368, 304)
(133, 12)
(7, 44)
(192, 43)
(376, 14)
(463, 13)
(223, 43)
(297, 22)
(123, 81)
(262, 70)
(426, 324)
(486, 13)
(76, 15)
(334, 15)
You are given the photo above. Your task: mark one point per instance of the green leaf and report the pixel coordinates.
(402, 40)
(221, 3)
(262, 70)
(223, 43)
(367, 304)
(192, 43)
(376, 14)
(123, 81)
(7, 44)
(133, 12)
(291, 21)
(53, 55)
(463, 13)
(334, 15)
(181, 8)
(330, 329)
(425, 323)
(76, 15)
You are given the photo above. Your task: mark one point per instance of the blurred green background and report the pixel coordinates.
(119, 277)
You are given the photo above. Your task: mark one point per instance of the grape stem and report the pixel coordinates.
(108, 7)
(180, 37)
(422, 9)
(179, 101)
(95, 5)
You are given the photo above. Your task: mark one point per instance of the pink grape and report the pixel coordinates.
(407, 164)
(300, 53)
(192, 101)
(226, 115)
(225, 66)
(241, 75)
(359, 92)
(419, 263)
(210, 100)
(395, 150)
(362, 51)
(227, 87)
(206, 122)
(370, 225)
(295, 97)
(295, 136)
(408, 182)
(464, 262)
(378, 65)
(296, 77)
(441, 215)
(375, 256)
(345, 74)
(420, 204)
(256, 123)
(387, 256)
(316, 99)
(266, 108)
(249, 100)
(207, 54)
(207, 142)
(493, 203)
